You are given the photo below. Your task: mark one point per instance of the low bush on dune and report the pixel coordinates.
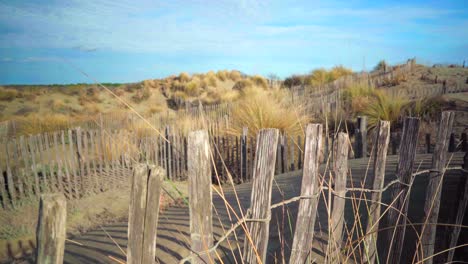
(222, 75)
(294, 80)
(89, 95)
(235, 75)
(141, 95)
(184, 77)
(260, 81)
(8, 94)
(242, 84)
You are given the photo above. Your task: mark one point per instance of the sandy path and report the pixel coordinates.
(173, 228)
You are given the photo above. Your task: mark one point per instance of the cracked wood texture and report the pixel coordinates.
(400, 192)
(304, 233)
(51, 229)
(380, 159)
(200, 195)
(433, 192)
(256, 241)
(143, 213)
(340, 172)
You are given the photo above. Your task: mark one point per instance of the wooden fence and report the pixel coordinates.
(128, 120)
(257, 219)
(80, 162)
(328, 97)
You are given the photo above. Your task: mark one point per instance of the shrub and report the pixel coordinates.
(384, 107)
(59, 107)
(235, 75)
(338, 72)
(260, 81)
(90, 95)
(141, 95)
(132, 87)
(184, 77)
(222, 75)
(294, 80)
(381, 66)
(8, 94)
(242, 84)
(318, 77)
(211, 81)
(192, 88)
(118, 91)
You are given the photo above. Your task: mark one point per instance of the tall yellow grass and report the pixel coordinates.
(258, 109)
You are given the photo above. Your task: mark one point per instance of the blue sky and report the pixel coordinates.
(128, 41)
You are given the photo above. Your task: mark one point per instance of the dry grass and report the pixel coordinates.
(141, 95)
(35, 123)
(258, 109)
(384, 107)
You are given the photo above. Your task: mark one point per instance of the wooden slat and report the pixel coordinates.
(256, 241)
(32, 147)
(340, 172)
(380, 160)
(434, 188)
(401, 191)
(200, 195)
(143, 213)
(304, 232)
(51, 230)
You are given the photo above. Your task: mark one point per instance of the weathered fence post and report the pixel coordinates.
(361, 137)
(143, 213)
(400, 191)
(340, 171)
(51, 229)
(304, 233)
(434, 188)
(200, 195)
(461, 212)
(256, 240)
(380, 159)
